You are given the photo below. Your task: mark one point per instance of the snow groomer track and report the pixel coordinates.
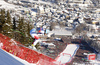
(32, 56)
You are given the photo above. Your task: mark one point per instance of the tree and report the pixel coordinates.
(8, 21)
(52, 25)
(20, 32)
(7, 26)
(80, 28)
(14, 24)
(24, 29)
(28, 39)
(8, 17)
(2, 17)
(62, 24)
(20, 24)
(99, 30)
(20, 29)
(96, 2)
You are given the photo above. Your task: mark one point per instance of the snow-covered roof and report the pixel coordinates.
(70, 21)
(83, 5)
(98, 10)
(61, 32)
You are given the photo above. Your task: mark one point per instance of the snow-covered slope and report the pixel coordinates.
(6, 5)
(67, 55)
(9, 59)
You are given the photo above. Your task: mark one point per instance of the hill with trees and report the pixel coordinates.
(16, 29)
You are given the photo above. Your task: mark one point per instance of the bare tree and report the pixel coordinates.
(62, 24)
(99, 30)
(96, 2)
(52, 25)
(80, 28)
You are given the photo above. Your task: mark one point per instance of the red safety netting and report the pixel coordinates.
(45, 62)
(32, 56)
(22, 52)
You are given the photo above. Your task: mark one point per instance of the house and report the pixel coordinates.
(47, 10)
(33, 13)
(59, 32)
(78, 1)
(41, 9)
(83, 5)
(97, 10)
(95, 22)
(49, 14)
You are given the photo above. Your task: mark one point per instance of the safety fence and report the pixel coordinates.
(22, 52)
(45, 62)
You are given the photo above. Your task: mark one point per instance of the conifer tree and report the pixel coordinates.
(14, 24)
(28, 27)
(20, 24)
(26, 31)
(7, 26)
(21, 30)
(2, 17)
(8, 18)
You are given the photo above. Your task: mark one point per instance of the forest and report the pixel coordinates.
(18, 30)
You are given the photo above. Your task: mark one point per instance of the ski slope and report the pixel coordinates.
(67, 55)
(9, 59)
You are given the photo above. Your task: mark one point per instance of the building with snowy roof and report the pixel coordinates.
(59, 32)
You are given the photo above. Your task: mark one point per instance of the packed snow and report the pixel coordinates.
(9, 59)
